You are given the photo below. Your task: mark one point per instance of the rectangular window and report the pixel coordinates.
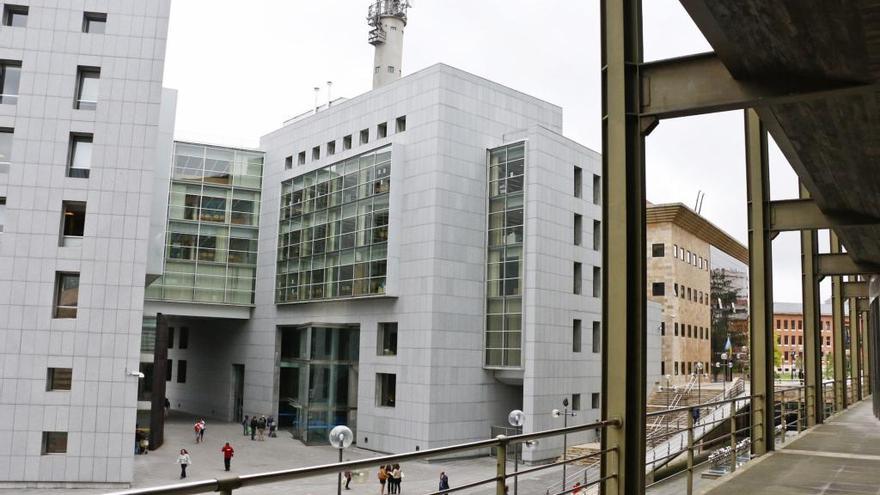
(364, 136)
(382, 130)
(316, 153)
(689, 294)
(331, 148)
(689, 331)
(10, 75)
(66, 294)
(676, 367)
(658, 250)
(183, 340)
(778, 324)
(301, 158)
(597, 235)
(578, 182)
(662, 367)
(181, 371)
(578, 229)
(597, 337)
(386, 389)
(73, 221)
(15, 15)
(288, 162)
(800, 324)
(169, 370)
(346, 142)
(87, 85)
(785, 356)
(2, 213)
(79, 160)
(785, 324)
(578, 277)
(5, 149)
(54, 442)
(575, 402)
(594, 401)
(58, 379)
(400, 124)
(658, 289)
(675, 289)
(597, 190)
(675, 328)
(387, 340)
(171, 337)
(662, 330)
(94, 22)
(675, 250)
(800, 340)
(576, 336)
(597, 281)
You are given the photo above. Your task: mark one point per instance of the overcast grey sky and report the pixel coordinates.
(240, 72)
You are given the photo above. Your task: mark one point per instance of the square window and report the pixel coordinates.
(301, 158)
(400, 124)
(15, 15)
(575, 402)
(578, 182)
(597, 190)
(66, 294)
(346, 142)
(288, 162)
(87, 85)
(58, 379)
(658, 250)
(386, 389)
(594, 401)
(183, 340)
(73, 221)
(387, 339)
(597, 235)
(364, 136)
(316, 153)
(181, 371)
(578, 276)
(658, 289)
(54, 442)
(576, 337)
(382, 130)
(79, 160)
(169, 373)
(597, 337)
(578, 229)
(94, 22)
(10, 76)
(5, 149)
(331, 148)
(2, 213)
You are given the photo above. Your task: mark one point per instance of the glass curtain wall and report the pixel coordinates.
(213, 220)
(333, 232)
(505, 257)
(318, 381)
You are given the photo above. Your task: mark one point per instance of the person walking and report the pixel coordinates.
(347, 476)
(270, 423)
(184, 461)
(383, 478)
(228, 451)
(198, 429)
(167, 406)
(244, 425)
(577, 488)
(202, 430)
(261, 428)
(444, 481)
(395, 478)
(253, 426)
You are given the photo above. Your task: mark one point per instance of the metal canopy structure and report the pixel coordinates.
(807, 74)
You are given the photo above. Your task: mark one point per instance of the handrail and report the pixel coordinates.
(226, 485)
(707, 404)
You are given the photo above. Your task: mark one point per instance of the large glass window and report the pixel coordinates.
(505, 256)
(333, 232)
(10, 75)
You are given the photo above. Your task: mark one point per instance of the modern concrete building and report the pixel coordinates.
(680, 244)
(82, 119)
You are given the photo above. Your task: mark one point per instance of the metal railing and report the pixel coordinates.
(226, 486)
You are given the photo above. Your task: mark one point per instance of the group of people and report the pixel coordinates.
(256, 427)
(391, 476)
(199, 428)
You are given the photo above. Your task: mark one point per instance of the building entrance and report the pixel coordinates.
(237, 392)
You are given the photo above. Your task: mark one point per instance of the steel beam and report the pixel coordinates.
(624, 281)
(700, 84)
(760, 283)
(838, 349)
(838, 263)
(812, 325)
(855, 289)
(854, 371)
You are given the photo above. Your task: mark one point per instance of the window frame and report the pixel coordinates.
(578, 182)
(384, 341)
(577, 278)
(578, 229)
(382, 382)
(577, 335)
(84, 73)
(52, 381)
(10, 11)
(56, 307)
(181, 371)
(4, 212)
(400, 124)
(658, 247)
(9, 98)
(47, 442)
(77, 138)
(74, 207)
(597, 337)
(94, 18)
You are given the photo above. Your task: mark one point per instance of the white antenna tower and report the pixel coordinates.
(317, 90)
(387, 18)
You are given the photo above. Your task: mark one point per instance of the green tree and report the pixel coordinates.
(723, 299)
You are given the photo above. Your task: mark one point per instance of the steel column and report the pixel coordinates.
(812, 324)
(760, 282)
(838, 349)
(854, 371)
(623, 233)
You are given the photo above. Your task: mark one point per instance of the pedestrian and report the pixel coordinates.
(197, 427)
(395, 478)
(347, 476)
(253, 426)
(444, 481)
(271, 425)
(244, 425)
(228, 451)
(145, 444)
(184, 461)
(202, 430)
(261, 428)
(383, 477)
(167, 406)
(577, 488)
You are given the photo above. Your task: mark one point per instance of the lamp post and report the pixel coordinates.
(723, 378)
(565, 414)
(516, 418)
(340, 438)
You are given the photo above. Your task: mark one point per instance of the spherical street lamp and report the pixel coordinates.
(516, 418)
(341, 438)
